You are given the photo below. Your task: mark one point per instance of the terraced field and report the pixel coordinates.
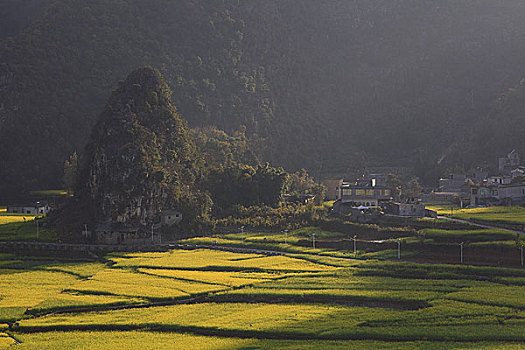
(208, 299)
(512, 215)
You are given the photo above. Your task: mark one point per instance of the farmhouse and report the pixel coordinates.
(406, 209)
(333, 189)
(509, 162)
(491, 194)
(454, 183)
(29, 208)
(368, 196)
(116, 233)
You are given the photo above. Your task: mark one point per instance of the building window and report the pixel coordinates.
(360, 192)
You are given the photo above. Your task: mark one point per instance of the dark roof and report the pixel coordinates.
(32, 205)
(114, 227)
(366, 187)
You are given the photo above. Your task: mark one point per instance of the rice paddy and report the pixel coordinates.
(211, 299)
(513, 214)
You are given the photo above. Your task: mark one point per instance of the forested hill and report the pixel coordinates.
(331, 85)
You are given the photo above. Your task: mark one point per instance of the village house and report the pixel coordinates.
(439, 197)
(495, 194)
(333, 189)
(453, 184)
(509, 162)
(117, 233)
(500, 180)
(367, 196)
(519, 171)
(113, 232)
(361, 196)
(412, 208)
(29, 208)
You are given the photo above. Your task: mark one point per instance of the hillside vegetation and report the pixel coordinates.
(333, 87)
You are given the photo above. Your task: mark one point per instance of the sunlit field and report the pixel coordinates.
(220, 300)
(513, 214)
(14, 218)
(23, 227)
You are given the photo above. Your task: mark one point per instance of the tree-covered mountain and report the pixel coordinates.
(55, 76)
(332, 86)
(140, 159)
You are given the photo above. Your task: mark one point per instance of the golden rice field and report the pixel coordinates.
(9, 219)
(513, 214)
(208, 299)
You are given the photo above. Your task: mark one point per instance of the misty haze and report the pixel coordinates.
(262, 174)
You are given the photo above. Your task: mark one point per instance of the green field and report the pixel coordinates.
(23, 227)
(210, 299)
(55, 193)
(513, 215)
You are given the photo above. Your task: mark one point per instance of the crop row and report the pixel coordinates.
(284, 321)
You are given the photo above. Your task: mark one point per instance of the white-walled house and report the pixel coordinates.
(511, 194)
(29, 208)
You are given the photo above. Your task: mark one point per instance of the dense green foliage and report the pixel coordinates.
(246, 186)
(331, 87)
(67, 63)
(142, 160)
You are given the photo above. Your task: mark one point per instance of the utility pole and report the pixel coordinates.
(355, 249)
(521, 254)
(398, 248)
(85, 233)
(151, 233)
(313, 239)
(461, 252)
(242, 234)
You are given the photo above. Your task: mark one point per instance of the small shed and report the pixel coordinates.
(406, 209)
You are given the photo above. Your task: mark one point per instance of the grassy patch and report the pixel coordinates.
(512, 214)
(468, 235)
(22, 227)
(52, 193)
(155, 340)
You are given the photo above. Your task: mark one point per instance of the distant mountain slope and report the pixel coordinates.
(17, 15)
(54, 77)
(333, 86)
